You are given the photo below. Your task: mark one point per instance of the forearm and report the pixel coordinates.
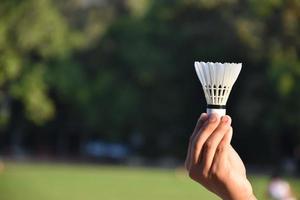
(241, 196)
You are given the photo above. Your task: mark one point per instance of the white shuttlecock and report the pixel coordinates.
(217, 80)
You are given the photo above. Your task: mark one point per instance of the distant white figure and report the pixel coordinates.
(279, 189)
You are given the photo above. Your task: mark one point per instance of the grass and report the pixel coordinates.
(82, 182)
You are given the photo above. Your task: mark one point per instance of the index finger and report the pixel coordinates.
(201, 137)
(202, 119)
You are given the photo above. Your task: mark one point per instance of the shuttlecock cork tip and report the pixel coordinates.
(217, 80)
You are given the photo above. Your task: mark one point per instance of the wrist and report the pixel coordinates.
(240, 195)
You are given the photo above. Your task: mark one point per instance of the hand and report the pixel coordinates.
(212, 161)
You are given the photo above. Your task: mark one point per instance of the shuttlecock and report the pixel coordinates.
(217, 80)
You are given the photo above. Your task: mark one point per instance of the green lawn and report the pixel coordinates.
(82, 182)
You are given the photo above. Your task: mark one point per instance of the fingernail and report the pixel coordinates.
(225, 119)
(203, 116)
(212, 117)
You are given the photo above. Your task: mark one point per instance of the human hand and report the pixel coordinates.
(212, 161)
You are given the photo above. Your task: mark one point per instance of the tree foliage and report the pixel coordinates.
(116, 69)
(32, 33)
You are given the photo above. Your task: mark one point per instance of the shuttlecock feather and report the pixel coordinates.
(217, 80)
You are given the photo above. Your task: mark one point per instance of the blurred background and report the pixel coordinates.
(99, 97)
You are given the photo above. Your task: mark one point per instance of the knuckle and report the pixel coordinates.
(220, 148)
(208, 144)
(192, 175)
(205, 174)
(216, 173)
(219, 173)
(218, 176)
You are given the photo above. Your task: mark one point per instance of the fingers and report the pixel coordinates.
(226, 139)
(203, 117)
(201, 137)
(220, 135)
(221, 156)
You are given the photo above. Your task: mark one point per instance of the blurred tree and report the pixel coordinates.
(270, 31)
(145, 65)
(115, 68)
(32, 32)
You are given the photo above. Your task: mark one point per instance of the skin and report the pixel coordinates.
(212, 161)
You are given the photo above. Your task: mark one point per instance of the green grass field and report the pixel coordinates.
(83, 182)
